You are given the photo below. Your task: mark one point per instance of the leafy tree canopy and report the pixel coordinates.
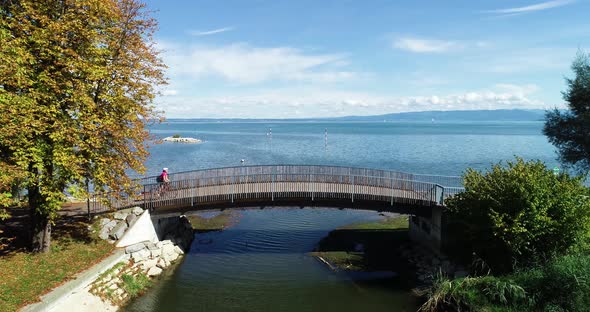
(77, 80)
(569, 130)
(519, 213)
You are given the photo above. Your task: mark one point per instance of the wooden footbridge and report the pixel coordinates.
(293, 185)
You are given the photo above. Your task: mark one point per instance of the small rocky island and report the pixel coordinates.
(181, 140)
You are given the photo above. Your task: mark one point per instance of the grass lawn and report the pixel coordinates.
(391, 223)
(219, 222)
(378, 240)
(26, 276)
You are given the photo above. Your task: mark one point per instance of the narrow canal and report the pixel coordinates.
(261, 263)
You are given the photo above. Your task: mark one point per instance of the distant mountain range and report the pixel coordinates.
(458, 115)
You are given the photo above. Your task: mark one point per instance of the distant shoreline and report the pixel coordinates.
(497, 115)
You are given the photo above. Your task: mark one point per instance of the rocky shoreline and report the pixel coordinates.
(428, 264)
(144, 260)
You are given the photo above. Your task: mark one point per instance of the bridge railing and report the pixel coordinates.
(451, 181)
(282, 183)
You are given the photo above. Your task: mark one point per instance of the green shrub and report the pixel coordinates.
(562, 284)
(176, 136)
(565, 284)
(485, 293)
(519, 214)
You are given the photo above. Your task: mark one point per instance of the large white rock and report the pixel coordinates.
(119, 215)
(118, 231)
(130, 219)
(178, 250)
(156, 253)
(168, 249)
(141, 255)
(104, 233)
(162, 263)
(148, 264)
(135, 247)
(170, 256)
(137, 211)
(153, 271)
(111, 224)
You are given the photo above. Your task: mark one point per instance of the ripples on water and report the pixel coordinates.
(261, 264)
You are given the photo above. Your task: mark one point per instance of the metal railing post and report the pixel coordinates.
(439, 193)
(311, 186)
(232, 188)
(272, 186)
(392, 190)
(352, 192)
(144, 198)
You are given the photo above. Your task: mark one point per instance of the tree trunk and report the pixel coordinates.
(40, 225)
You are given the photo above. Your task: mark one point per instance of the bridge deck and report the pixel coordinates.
(266, 185)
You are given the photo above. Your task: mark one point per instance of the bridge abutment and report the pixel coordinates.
(428, 230)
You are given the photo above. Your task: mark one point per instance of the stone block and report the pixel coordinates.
(118, 231)
(119, 215)
(151, 246)
(111, 224)
(148, 264)
(137, 211)
(140, 255)
(178, 250)
(154, 271)
(168, 249)
(104, 221)
(130, 219)
(170, 257)
(162, 263)
(134, 248)
(156, 253)
(104, 234)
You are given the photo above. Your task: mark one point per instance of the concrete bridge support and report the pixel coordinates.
(429, 230)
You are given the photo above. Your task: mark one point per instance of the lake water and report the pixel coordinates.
(429, 148)
(261, 264)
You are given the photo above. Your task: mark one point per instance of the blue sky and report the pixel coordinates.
(293, 59)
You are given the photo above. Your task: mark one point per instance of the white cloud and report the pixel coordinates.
(424, 45)
(210, 32)
(245, 64)
(306, 102)
(534, 7)
(517, 89)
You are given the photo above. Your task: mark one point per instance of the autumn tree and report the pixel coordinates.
(77, 82)
(569, 130)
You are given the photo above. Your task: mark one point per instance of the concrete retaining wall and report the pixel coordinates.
(428, 231)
